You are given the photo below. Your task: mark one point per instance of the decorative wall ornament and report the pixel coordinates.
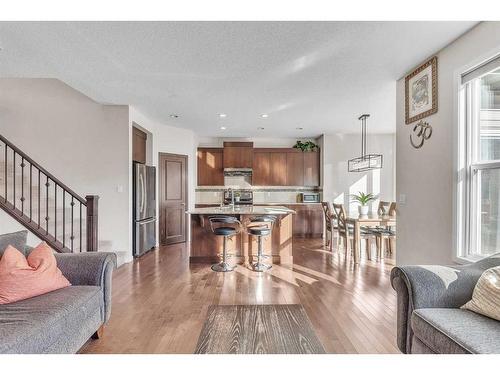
(421, 132)
(421, 92)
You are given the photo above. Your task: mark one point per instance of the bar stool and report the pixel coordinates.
(260, 226)
(225, 226)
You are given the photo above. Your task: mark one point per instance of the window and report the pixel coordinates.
(481, 160)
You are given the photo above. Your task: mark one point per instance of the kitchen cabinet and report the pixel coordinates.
(139, 139)
(311, 168)
(261, 168)
(295, 168)
(308, 220)
(277, 169)
(210, 167)
(238, 155)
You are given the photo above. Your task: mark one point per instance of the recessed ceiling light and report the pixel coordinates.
(299, 128)
(173, 115)
(222, 128)
(260, 128)
(264, 115)
(222, 115)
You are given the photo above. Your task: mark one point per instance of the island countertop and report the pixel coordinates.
(242, 210)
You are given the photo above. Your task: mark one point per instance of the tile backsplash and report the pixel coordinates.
(214, 194)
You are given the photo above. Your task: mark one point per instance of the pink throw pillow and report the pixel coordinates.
(22, 278)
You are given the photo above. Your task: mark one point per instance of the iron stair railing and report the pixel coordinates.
(45, 205)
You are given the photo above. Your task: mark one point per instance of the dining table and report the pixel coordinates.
(370, 220)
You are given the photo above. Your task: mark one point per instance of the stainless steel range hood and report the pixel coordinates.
(233, 172)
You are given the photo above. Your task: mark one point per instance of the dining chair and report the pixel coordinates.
(385, 237)
(330, 223)
(346, 231)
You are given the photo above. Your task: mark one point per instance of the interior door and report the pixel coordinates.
(173, 198)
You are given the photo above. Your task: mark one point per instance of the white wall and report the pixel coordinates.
(166, 139)
(338, 183)
(83, 143)
(426, 176)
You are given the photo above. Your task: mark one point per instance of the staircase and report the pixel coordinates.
(45, 205)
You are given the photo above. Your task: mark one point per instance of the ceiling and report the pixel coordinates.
(319, 76)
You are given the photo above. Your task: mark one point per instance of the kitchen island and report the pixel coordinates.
(205, 246)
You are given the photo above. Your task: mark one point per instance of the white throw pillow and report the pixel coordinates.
(486, 295)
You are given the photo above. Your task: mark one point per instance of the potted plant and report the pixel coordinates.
(363, 200)
(306, 146)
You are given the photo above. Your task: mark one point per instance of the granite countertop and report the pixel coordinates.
(242, 210)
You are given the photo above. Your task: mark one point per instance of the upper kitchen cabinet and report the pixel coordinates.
(285, 167)
(311, 168)
(261, 168)
(238, 154)
(139, 139)
(295, 168)
(210, 169)
(277, 169)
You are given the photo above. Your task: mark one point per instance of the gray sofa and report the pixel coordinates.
(63, 320)
(429, 318)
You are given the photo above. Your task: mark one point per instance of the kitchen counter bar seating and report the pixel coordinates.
(260, 226)
(225, 226)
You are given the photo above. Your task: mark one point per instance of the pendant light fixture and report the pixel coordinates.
(366, 161)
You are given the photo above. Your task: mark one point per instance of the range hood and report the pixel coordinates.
(233, 172)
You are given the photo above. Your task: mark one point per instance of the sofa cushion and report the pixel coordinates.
(22, 278)
(16, 239)
(456, 331)
(486, 296)
(57, 322)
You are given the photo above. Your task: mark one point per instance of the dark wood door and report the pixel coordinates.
(261, 169)
(139, 145)
(277, 162)
(210, 169)
(311, 168)
(173, 198)
(295, 168)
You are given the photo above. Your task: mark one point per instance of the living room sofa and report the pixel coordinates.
(429, 318)
(62, 321)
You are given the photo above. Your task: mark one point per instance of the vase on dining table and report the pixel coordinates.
(363, 210)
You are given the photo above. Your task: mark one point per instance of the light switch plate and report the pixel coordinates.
(402, 198)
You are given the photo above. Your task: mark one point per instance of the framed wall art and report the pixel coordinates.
(421, 92)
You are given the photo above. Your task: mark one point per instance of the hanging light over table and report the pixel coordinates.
(366, 161)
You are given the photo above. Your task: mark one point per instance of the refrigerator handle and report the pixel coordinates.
(143, 192)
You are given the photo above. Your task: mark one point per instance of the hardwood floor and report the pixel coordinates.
(160, 301)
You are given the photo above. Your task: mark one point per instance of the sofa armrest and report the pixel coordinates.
(433, 286)
(95, 268)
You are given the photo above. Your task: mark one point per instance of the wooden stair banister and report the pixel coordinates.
(44, 204)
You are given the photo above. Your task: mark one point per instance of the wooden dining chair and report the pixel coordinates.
(330, 224)
(385, 237)
(346, 232)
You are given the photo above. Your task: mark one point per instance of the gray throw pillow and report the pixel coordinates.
(16, 239)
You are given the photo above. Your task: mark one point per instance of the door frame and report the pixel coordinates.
(186, 192)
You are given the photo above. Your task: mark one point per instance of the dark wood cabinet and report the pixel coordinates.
(308, 220)
(277, 169)
(271, 166)
(312, 168)
(139, 139)
(295, 168)
(210, 167)
(261, 168)
(238, 154)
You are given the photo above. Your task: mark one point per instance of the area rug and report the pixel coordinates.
(258, 329)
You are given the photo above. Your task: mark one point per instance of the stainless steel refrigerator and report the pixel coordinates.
(144, 208)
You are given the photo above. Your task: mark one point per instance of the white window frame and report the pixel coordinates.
(466, 167)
